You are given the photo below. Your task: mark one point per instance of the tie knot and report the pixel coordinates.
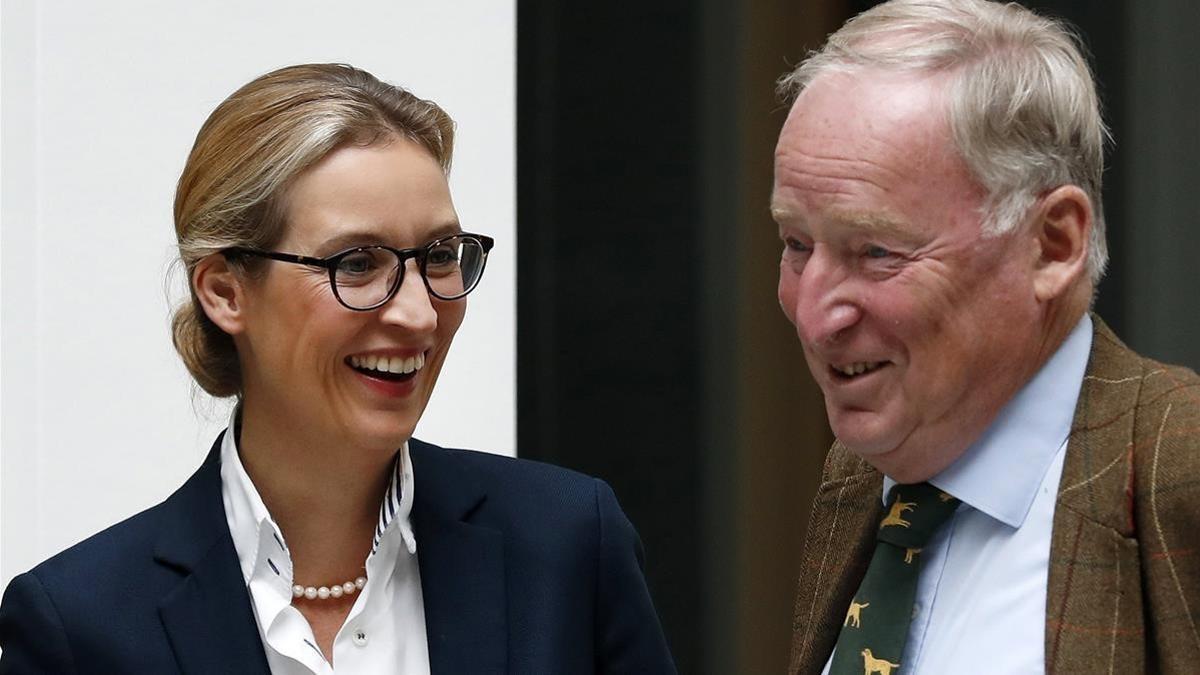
(914, 513)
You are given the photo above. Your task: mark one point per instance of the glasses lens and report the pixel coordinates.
(453, 266)
(365, 276)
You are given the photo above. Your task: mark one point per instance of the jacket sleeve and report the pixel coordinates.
(629, 637)
(32, 637)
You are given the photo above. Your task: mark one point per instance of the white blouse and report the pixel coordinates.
(385, 630)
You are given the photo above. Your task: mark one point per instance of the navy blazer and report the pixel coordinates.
(526, 568)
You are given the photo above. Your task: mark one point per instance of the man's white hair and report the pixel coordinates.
(1022, 102)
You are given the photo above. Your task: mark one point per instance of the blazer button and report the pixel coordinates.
(360, 638)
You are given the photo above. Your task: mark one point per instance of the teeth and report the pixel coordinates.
(856, 368)
(396, 365)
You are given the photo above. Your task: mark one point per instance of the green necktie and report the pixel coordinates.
(876, 625)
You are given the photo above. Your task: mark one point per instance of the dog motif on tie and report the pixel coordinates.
(895, 516)
(854, 614)
(872, 665)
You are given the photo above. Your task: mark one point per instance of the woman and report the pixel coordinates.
(328, 272)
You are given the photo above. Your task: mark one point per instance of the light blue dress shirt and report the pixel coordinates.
(981, 594)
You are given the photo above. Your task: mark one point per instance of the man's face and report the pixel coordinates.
(917, 329)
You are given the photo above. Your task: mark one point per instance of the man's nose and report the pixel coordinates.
(411, 307)
(824, 305)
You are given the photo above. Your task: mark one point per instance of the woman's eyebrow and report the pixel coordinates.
(352, 238)
(444, 230)
(345, 240)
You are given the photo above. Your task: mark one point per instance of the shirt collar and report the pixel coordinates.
(250, 523)
(1020, 444)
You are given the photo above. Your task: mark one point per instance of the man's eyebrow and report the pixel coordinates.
(858, 222)
(873, 222)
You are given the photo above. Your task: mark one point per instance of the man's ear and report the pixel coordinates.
(221, 292)
(1062, 230)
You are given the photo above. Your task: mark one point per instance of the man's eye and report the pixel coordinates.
(795, 245)
(877, 252)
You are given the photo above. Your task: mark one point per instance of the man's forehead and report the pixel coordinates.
(863, 94)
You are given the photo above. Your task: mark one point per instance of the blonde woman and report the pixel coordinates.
(328, 276)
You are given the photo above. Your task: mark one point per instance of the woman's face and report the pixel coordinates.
(306, 359)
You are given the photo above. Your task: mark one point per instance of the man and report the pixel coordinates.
(937, 189)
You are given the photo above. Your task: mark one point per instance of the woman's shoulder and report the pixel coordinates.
(129, 548)
(503, 467)
(107, 551)
(531, 488)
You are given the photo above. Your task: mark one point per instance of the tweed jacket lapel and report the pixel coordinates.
(837, 550)
(1093, 599)
(1121, 524)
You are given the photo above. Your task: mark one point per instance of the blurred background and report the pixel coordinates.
(650, 346)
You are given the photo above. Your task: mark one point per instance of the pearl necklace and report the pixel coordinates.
(326, 592)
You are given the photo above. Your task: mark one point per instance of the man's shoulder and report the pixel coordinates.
(1166, 385)
(1162, 391)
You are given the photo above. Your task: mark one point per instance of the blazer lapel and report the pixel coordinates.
(462, 566)
(837, 550)
(1093, 534)
(207, 617)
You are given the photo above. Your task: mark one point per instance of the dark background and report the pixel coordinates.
(651, 349)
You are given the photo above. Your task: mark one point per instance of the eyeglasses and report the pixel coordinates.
(367, 277)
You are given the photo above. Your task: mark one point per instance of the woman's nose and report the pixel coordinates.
(411, 307)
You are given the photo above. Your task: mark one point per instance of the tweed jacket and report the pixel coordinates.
(1124, 581)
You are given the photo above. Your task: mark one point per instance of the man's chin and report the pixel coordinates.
(869, 449)
(864, 432)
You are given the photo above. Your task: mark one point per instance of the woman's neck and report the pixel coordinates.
(322, 492)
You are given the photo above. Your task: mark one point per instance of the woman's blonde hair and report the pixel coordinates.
(250, 149)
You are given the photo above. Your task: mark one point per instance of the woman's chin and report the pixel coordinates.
(384, 432)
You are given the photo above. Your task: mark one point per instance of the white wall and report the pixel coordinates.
(100, 104)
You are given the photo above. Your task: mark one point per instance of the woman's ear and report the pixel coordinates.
(221, 292)
(1062, 230)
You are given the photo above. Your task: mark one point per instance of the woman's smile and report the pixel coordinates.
(390, 375)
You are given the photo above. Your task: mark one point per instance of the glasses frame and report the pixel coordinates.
(420, 254)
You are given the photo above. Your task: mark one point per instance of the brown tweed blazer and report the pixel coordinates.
(1124, 588)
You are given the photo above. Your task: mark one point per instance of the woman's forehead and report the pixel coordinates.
(393, 194)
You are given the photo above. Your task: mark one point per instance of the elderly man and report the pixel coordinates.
(1012, 489)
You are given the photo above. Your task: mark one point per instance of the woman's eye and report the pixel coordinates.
(356, 264)
(443, 255)
(877, 252)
